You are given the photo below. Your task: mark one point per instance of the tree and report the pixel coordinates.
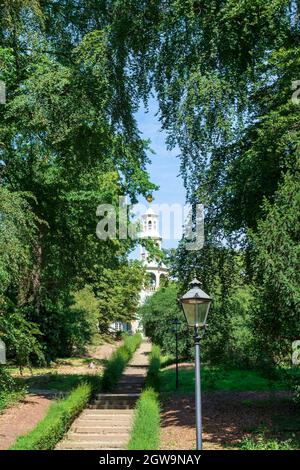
(276, 254)
(228, 337)
(21, 338)
(17, 235)
(118, 293)
(70, 148)
(157, 313)
(75, 74)
(85, 301)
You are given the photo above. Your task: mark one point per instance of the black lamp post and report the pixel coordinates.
(176, 323)
(196, 304)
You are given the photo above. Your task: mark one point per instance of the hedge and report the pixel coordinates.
(118, 362)
(145, 433)
(154, 367)
(62, 413)
(56, 423)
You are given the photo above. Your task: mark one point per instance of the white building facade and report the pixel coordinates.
(156, 271)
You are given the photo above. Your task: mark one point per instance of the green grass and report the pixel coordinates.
(56, 381)
(167, 360)
(118, 361)
(287, 423)
(67, 361)
(146, 425)
(8, 399)
(62, 413)
(60, 416)
(153, 369)
(218, 379)
(262, 442)
(10, 391)
(283, 433)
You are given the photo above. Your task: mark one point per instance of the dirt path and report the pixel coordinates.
(24, 416)
(21, 418)
(78, 365)
(227, 418)
(104, 351)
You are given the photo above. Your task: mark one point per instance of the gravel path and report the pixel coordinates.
(227, 418)
(21, 418)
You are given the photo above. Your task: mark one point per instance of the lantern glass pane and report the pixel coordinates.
(195, 311)
(189, 311)
(201, 313)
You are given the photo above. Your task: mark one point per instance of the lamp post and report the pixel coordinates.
(196, 304)
(176, 323)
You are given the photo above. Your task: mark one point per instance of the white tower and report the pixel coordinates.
(156, 270)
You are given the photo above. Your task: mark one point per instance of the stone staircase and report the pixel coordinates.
(107, 422)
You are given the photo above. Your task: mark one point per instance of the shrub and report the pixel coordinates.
(158, 313)
(86, 302)
(65, 328)
(146, 426)
(52, 428)
(9, 390)
(21, 337)
(7, 383)
(263, 443)
(153, 370)
(118, 361)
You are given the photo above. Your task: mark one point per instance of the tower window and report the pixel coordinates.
(149, 225)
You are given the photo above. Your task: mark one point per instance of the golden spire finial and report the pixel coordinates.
(149, 198)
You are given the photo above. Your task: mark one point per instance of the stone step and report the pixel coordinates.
(116, 396)
(86, 446)
(100, 413)
(100, 405)
(117, 429)
(115, 400)
(119, 439)
(106, 418)
(132, 378)
(109, 420)
(130, 390)
(131, 384)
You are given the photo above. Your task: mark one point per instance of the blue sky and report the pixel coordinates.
(164, 167)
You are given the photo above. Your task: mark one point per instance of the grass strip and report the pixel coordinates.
(153, 378)
(118, 362)
(50, 430)
(145, 433)
(59, 418)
